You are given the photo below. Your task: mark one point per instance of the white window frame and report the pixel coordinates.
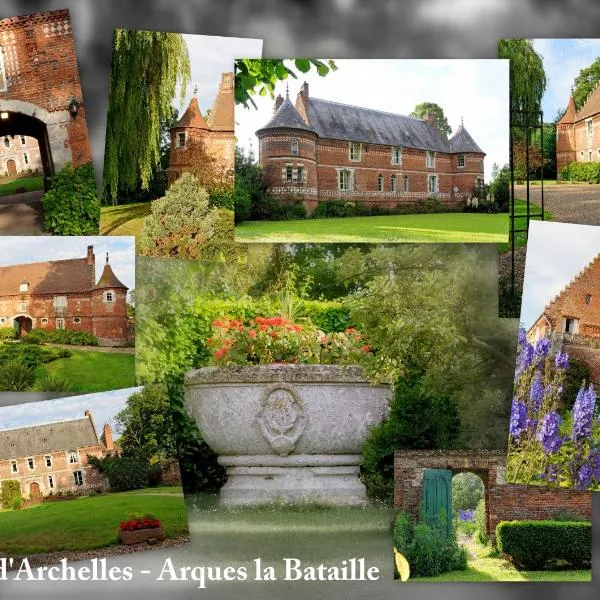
(405, 183)
(31, 463)
(22, 306)
(430, 159)
(48, 459)
(590, 127)
(78, 481)
(44, 320)
(289, 173)
(77, 320)
(25, 158)
(51, 481)
(294, 147)
(393, 183)
(300, 174)
(344, 174)
(380, 183)
(14, 466)
(72, 457)
(60, 302)
(460, 161)
(436, 184)
(178, 144)
(6, 142)
(24, 287)
(23, 140)
(109, 296)
(60, 323)
(590, 159)
(3, 77)
(354, 151)
(396, 155)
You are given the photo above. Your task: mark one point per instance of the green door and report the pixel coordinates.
(437, 498)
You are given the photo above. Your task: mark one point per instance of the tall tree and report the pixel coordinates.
(585, 82)
(148, 69)
(420, 111)
(528, 79)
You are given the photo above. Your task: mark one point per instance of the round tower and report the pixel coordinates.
(467, 164)
(109, 309)
(287, 153)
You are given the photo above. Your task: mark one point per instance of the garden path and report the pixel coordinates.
(106, 349)
(22, 214)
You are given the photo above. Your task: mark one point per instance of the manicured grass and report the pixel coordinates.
(125, 219)
(29, 183)
(84, 523)
(95, 371)
(173, 489)
(439, 227)
(521, 222)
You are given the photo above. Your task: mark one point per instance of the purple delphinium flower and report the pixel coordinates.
(466, 515)
(531, 425)
(583, 414)
(518, 417)
(550, 473)
(547, 433)
(595, 462)
(522, 336)
(536, 394)
(584, 476)
(542, 347)
(561, 360)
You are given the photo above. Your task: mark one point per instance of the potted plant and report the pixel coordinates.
(137, 530)
(287, 408)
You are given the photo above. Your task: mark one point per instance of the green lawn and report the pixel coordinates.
(84, 523)
(95, 371)
(125, 219)
(29, 183)
(439, 227)
(161, 489)
(521, 222)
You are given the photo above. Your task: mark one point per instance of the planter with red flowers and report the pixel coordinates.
(287, 408)
(138, 530)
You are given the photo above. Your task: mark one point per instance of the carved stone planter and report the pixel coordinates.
(287, 433)
(141, 535)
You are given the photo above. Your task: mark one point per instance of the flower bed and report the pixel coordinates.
(141, 529)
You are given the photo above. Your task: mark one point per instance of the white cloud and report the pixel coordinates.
(475, 90)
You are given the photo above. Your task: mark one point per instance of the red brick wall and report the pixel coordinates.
(110, 323)
(504, 502)
(41, 65)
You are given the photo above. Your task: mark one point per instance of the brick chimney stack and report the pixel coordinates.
(278, 102)
(107, 437)
(302, 102)
(431, 119)
(91, 259)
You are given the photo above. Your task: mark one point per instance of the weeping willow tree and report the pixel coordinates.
(148, 69)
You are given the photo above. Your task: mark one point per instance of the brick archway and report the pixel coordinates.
(503, 502)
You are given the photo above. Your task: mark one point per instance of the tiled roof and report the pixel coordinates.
(286, 116)
(109, 279)
(591, 106)
(49, 437)
(51, 277)
(192, 117)
(569, 115)
(462, 141)
(221, 116)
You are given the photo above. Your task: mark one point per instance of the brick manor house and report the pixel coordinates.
(215, 132)
(52, 457)
(578, 132)
(64, 294)
(320, 150)
(572, 319)
(19, 154)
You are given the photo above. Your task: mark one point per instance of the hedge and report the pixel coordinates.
(581, 171)
(8, 333)
(546, 545)
(60, 336)
(9, 492)
(343, 208)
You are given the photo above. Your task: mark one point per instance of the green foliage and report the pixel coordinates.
(585, 82)
(427, 549)
(500, 188)
(8, 333)
(60, 336)
(421, 110)
(581, 171)
(546, 545)
(31, 355)
(259, 76)
(49, 382)
(10, 492)
(17, 504)
(15, 376)
(481, 522)
(181, 223)
(577, 373)
(528, 79)
(126, 472)
(467, 491)
(342, 208)
(149, 68)
(71, 206)
(222, 197)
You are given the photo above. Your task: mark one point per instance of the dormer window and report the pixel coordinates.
(181, 139)
(354, 151)
(460, 161)
(294, 148)
(109, 296)
(24, 286)
(430, 158)
(396, 156)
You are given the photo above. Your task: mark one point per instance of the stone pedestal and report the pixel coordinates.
(287, 433)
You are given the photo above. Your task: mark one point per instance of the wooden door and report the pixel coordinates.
(34, 490)
(437, 498)
(11, 167)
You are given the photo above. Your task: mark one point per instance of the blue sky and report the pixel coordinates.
(104, 406)
(556, 253)
(476, 90)
(17, 250)
(209, 57)
(563, 59)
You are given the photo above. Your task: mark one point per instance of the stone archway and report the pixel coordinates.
(23, 324)
(34, 490)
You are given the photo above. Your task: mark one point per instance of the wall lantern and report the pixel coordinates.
(73, 107)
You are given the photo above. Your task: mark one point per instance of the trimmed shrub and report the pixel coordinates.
(129, 472)
(546, 545)
(15, 376)
(427, 549)
(31, 355)
(51, 383)
(222, 197)
(71, 205)
(581, 171)
(60, 336)
(10, 490)
(243, 202)
(8, 333)
(481, 523)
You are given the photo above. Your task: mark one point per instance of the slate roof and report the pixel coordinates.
(462, 141)
(109, 280)
(50, 277)
(46, 438)
(192, 117)
(591, 106)
(221, 116)
(286, 116)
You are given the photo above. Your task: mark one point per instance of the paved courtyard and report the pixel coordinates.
(22, 214)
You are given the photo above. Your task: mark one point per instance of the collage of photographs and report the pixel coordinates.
(351, 301)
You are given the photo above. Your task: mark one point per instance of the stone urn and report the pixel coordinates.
(287, 433)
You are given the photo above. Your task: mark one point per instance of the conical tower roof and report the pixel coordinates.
(192, 117)
(221, 117)
(569, 115)
(108, 279)
(462, 141)
(286, 117)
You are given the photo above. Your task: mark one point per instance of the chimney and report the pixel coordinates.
(431, 119)
(91, 259)
(278, 102)
(302, 102)
(107, 437)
